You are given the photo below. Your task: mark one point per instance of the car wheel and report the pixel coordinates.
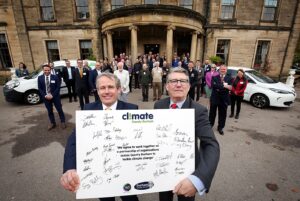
(32, 97)
(260, 100)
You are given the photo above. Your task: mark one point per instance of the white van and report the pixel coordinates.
(25, 89)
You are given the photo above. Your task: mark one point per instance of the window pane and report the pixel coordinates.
(47, 13)
(47, 10)
(227, 12)
(261, 54)
(151, 1)
(269, 14)
(85, 49)
(223, 50)
(46, 3)
(52, 50)
(117, 4)
(82, 9)
(272, 3)
(5, 59)
(228, 2)
(82, 3)
(52, 45)
(186, 4)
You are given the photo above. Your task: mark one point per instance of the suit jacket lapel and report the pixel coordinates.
(166, 103)
(120, 105)
(186, 103)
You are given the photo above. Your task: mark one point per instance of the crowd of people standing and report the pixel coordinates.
(150, 71)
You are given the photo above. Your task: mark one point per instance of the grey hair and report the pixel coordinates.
(110, 76)
(178, 70)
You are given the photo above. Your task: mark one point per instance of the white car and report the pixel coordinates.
(262, 91)
(25, 89)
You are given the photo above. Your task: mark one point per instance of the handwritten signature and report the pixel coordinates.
(88, 123)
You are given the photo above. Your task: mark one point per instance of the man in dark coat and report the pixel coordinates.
(68, 73)
(82, 83)
(145, 80)
(108, 87)
(207, 155)
(49, 88)
(221, 85)
(193, 76)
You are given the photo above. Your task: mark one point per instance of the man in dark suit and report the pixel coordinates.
(193, 76)
(207, 155)
(92, 78)
(55, 71)
(68, 73)
(137, 67)
(108, 87)
(221, 85)
(49, 87)
(82, 83)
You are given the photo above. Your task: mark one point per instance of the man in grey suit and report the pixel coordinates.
(207, 155)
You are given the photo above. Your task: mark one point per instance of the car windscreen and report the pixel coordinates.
(260, 77)
(33, 74)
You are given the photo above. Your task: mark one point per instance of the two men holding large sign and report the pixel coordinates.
(205, 157)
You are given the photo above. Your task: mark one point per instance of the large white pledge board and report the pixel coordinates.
(128, 152)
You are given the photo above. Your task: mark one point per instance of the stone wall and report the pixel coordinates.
(64, 12)
(250, 12)
(243, 49)
(68, 43)
(11, 32)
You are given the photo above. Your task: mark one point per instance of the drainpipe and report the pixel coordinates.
(205, 28)
(100, 30)
(289, 39)
(29, 44)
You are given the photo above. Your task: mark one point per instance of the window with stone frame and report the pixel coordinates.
(47, 10)
(52, 50)
(150, 1)
(85, 49)
(117, 4)
(269, 10)
(5, 59)
(227, 9)
(261, 55)
(82, 9)
(186, 4)
(223, 47)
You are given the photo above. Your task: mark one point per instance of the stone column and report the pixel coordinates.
(133, 45)
(104, 46)
(198, 52)
(110, 50)
(193, 46)
(169, 46)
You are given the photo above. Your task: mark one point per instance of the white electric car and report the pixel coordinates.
(262, 91)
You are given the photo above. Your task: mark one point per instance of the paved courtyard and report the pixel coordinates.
(259, 154)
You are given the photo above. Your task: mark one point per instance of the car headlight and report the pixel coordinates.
(13, 84)
(280, 91)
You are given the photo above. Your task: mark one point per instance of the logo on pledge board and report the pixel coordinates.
(127, 187)
(144, 117)
(144, 185)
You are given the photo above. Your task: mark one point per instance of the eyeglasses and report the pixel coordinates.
(174, 82)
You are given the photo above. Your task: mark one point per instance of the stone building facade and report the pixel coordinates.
(261, 34)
